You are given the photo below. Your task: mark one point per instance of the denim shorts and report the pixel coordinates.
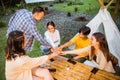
(45, 50)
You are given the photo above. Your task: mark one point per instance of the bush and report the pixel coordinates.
(46, 8)
(68, 14)
(70, 3)
(2, 24)
(75, 3)
(75, 9)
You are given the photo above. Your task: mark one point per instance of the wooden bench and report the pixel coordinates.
(79, 71)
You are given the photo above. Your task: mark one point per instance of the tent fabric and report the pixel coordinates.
(110, 30)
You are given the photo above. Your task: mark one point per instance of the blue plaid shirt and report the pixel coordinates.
(23, 21)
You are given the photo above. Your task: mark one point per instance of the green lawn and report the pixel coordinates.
(87, 6)
(2, 53)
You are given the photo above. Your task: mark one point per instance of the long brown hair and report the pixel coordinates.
(14, 45)
(103, 45)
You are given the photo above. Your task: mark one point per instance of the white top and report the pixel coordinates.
(20, 68)
(100, 62)
(53, 38)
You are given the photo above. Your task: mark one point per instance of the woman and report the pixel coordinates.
(98, 52)
(19, 66)
(52, 36)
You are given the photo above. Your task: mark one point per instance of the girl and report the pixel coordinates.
(19, 66)
(52, 36)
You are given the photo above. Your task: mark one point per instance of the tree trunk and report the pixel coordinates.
(60, 1)
(24, 4)
(116, 10)
(3, 5)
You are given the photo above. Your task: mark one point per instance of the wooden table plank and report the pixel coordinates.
(79, 71)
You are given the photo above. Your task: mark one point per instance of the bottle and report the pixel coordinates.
(67, 67)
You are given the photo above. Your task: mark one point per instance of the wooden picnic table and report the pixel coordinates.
(78, 71)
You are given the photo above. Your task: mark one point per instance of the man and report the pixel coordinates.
(25, 21)
(80, 40)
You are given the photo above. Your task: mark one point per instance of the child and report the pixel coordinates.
(52, 36)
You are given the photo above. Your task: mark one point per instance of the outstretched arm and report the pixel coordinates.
(66, 45)
(79, 52)
(110, 2)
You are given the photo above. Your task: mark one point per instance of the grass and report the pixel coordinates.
(88, 6)
(36, 48)
(2, 53)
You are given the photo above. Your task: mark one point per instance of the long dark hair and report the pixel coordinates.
(103, 45)
(51, 23)
(14, 45)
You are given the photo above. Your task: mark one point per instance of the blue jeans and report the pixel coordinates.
(45, 50)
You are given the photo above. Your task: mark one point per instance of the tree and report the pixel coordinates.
(3, 5)
(116, 10)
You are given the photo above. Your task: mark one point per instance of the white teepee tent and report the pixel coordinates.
(110, 30)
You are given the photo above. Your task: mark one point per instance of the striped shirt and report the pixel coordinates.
(23, 21)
